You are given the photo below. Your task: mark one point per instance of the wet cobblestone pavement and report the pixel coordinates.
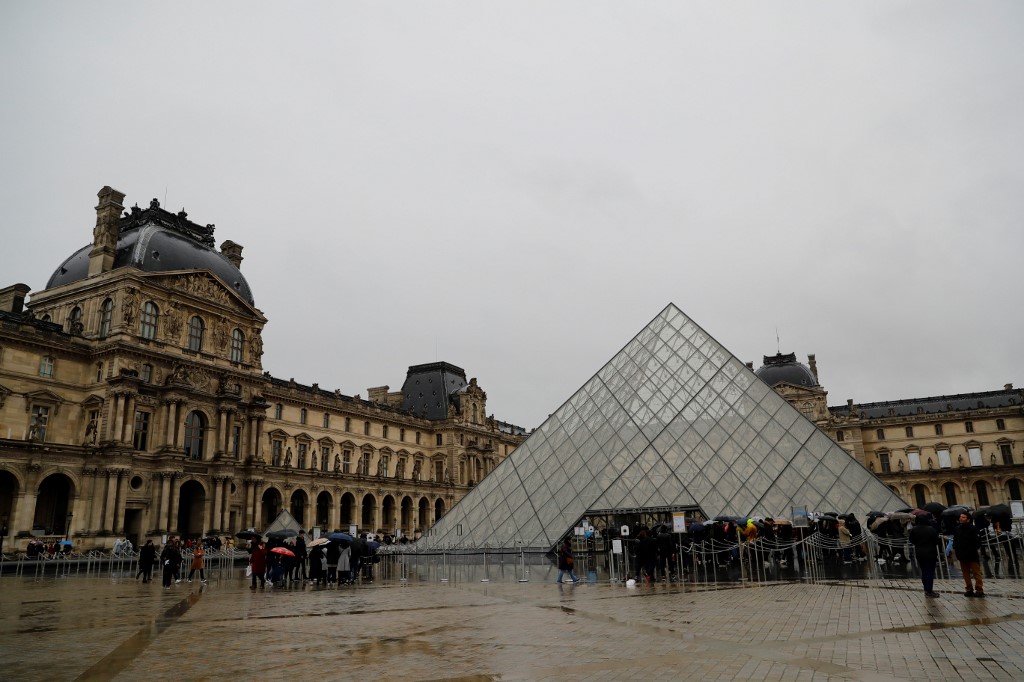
(102, 628)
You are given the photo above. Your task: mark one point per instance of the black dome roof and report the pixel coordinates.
(155, 240)
(784, 369)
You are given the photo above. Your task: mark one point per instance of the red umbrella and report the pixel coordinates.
(283, 550)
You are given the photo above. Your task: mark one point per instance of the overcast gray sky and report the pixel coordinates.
(519, 187)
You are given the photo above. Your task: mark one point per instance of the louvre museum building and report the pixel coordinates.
(133, 403)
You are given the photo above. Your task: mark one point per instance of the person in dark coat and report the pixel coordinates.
(300, 557)
(565, 562)
(258, 563)
(966, 544)
(316, 563)
(170, 558)
(147, 557)
(359, 550)
(925, 540)
(647, 555)
(333, 554)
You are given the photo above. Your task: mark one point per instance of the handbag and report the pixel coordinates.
(248, 571)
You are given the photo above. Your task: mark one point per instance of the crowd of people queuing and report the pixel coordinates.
(278, 561)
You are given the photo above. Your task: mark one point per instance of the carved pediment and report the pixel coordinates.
(94, 401)
(304, 437)
(278, 433)
(43, 396)
(203, 285)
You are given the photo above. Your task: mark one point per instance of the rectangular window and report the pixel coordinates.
(366, 428)
(1007, 452)
(880, 434)
(364, 464)
(141, 437)
(303, 449)
(400, 468)
(348, 423)
(99, 372)
(1000, 425)
(974, 454)
(278, 410)
(910, 431)
(346, 462)
(938, 429)
(302, 416)
(839, 436)
(236, 441)
(327, 420)
(46, 366)
(440, 440)
(40, 418)
(382, 468)
(384, 430)
(417, 438)
(914, 458)
(438, 471)
(401, 435)
(883, 463)
(944, 461)
(969, 426)
(147, 373)
(276, 447)
(325, 458)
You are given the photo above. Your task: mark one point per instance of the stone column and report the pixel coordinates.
(172, 520)
(179, 440)
(96, 508)
(120, 500)
(258, 454)
(222, 437)
(309, 513)
(165, 497)
(118, 434)
(129, 427)
(109, 511)
(172, 423)
(225, 514)
(334, 518)
(247, 504)
(250, 438)
(257, 506)
(218, 500)
(25, 513)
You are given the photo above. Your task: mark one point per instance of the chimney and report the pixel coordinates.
(750, 365)
(1006, 387)
(104, 236)
(12, 298)
(233, 252)
(814, 366)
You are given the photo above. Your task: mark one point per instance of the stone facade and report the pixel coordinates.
(956, 449)
(133, 401)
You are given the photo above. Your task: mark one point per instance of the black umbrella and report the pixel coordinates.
(935, 508)
(250, 534)
(282, 534)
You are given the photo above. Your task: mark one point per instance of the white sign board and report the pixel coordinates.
(678, 522)
(624, 531)
(316, 532)
(353, 529)
(580, 531)
(1017, 507)
(616, 546)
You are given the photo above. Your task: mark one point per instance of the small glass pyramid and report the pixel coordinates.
(674, 419)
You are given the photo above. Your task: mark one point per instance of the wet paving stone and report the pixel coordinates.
(113, 628)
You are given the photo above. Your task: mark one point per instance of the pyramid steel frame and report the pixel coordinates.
(673, 420)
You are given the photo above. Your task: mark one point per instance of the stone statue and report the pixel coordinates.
(33, 429)
(337, 463)
(90, 432)
(256, 345)
(416, 470)
(172, 323)
(128, 308)
(288, 458)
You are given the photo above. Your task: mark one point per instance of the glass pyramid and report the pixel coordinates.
(674, 419)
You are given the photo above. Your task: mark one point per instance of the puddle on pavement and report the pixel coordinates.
(984, 620)
(111, 665)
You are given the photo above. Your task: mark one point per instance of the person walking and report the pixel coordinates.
(198, 563)
(333, 554)
(170, 558)
(845, 540)
(966, 543)
(316, 562)
(345, 566)
(925, 540)
(147, 557)
(301, 553)
(258, 564)
(565, 563)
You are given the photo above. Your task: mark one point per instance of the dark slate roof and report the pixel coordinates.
(935, 405)
(155, 240)
(430, 388)
(25, 318)
(784, 369)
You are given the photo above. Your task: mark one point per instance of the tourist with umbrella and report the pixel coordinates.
(333, 554)
(317, 561)
(345, 565)
(966, 544)
(258, 563)
(926, 541)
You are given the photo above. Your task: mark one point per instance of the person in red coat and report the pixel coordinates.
(258, 562)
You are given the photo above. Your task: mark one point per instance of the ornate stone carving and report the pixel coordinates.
(173, 323)
(256, 345)
(196, 377)
(203, 287)
(128, 306)
(220, 334)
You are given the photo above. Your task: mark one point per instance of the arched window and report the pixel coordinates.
(106, 317)
(195, 333)
(982, 490)
(147, 320)
(919, 496)
(195, 427)
(75, 320)
(237, 343)
(950, 490)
